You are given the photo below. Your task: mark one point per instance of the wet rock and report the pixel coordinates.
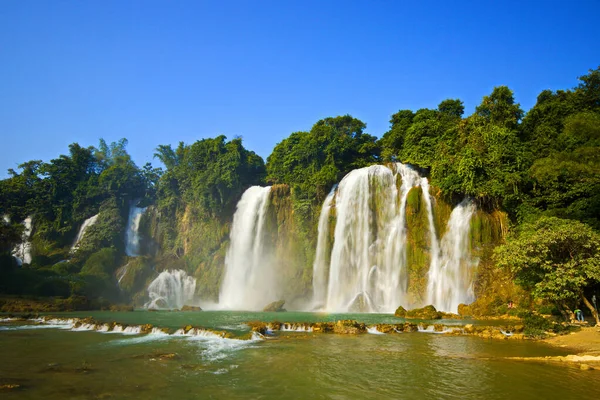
(469, 329)
(258, 326)
(276, 306)
(410, 327)
(359, 305)
(349, 327)
(274, 326)
(427, 312)
(190, 308)
(464, 310)
(323, 327)
(9, 386)
(385, 328)
(447, 315)
(121, 307)
(400, 312)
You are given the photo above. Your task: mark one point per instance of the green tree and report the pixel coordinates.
(499, 108)
(557, 259)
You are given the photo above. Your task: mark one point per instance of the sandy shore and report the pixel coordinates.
(584, 342)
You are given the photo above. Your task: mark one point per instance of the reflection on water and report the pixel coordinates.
(59, 364)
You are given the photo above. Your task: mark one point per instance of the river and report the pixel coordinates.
(55, 362)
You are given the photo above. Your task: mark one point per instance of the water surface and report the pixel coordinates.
(55, 363)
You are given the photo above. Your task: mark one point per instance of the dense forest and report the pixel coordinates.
(542, 168)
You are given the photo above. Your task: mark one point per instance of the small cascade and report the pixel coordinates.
(249, 282)
(321, 257)
(132, 237)
(451, 275)
(86, 224)
(171, 290)
(368, 260)
(22, 251)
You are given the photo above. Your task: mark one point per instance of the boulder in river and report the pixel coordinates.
(427, 312)
(276, 306)
(190, 308)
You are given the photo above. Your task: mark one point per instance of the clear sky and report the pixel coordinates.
(159, 72)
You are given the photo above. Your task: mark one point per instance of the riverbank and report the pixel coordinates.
(584, 342)
(22, 304)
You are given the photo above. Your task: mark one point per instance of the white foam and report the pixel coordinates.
(295, 328)
(374, 331)
(25, 327)
(431, 329)
(85, 327)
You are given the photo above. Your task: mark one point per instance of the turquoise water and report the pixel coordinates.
(56, 363)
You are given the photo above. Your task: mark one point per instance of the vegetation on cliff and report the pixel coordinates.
(519, 167)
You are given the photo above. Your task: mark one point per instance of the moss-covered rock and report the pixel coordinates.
(427, 312)
(190, 308)
(276, 306)
(400, 312)
(349, 327)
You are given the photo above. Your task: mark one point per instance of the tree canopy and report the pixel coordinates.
(556, 259)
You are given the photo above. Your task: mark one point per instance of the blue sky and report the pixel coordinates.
(159, 72)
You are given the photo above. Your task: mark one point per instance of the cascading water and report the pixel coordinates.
(171, 290)
(249, 282)
(86, 224)
(450, 280)
(132, 238)
(22, 251)
(321, 257)
(368, 257)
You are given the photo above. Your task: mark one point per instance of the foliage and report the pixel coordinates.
(556, 259)
(532, 167)
(312, 162)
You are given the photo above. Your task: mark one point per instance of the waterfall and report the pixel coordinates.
(22, 251)
(450, 280)
(368, 260)
(132, 238)
(171, 290)
(249, 281)
(320, 265)
(86, 224)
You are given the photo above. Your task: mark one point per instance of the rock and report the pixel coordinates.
(447, 315)
(9, 386)
(190, 308)
(349, 327)
(386, 328)
(120, 307)
(410, 327)
(359, 304)
(276, 306)
(585, 367)
(400, 312)
(258, 326)
(323, 327)
(464, 310)
(427, 312)
(469, 328)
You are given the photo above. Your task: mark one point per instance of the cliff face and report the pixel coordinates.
(293, 249)
(198, 244)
